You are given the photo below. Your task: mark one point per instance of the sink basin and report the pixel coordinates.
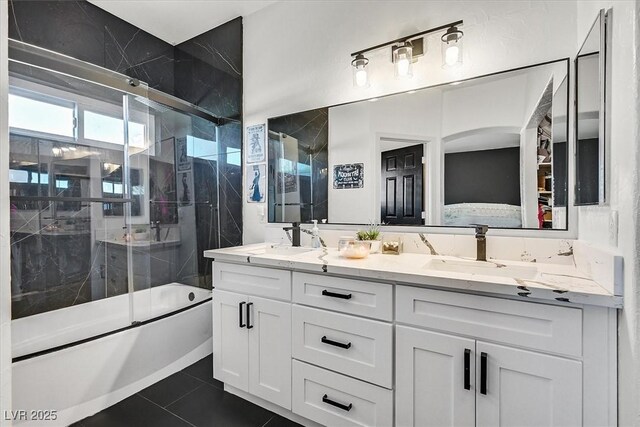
(483, 268)
(286, 250)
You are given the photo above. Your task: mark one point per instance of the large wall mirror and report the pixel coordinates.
(591, 93)
(489, 150)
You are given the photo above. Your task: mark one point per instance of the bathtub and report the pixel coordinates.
(58, 367)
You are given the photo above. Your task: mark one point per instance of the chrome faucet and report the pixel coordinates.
(295, 233)
(481, 241)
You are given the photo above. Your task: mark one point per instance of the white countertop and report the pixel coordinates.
(552, 282)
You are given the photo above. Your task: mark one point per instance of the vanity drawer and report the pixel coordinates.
(248, 279)
(357, 347)
(346, 295)
(537, 326)
(335, 400)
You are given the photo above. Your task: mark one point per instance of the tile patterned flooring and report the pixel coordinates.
(191, 397)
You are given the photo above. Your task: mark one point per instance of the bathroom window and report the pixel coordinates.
(101, 127)
(41, 114)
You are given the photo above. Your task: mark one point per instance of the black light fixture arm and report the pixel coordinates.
(412, 36)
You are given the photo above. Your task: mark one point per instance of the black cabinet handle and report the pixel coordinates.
(347, 408)
(249, 325)
(240, 324)
(467, 369)
(327, 293)
(336, 343)
(483, 373)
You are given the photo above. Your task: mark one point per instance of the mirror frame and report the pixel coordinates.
(567, 232)
(604, 87)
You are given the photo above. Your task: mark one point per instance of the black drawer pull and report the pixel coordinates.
(336, 343)
(347, 408)
(327, 293)
(467, 369)
(240, 324)
(249, 325)
(483, 373)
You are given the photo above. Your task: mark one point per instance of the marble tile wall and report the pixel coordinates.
(84, 31)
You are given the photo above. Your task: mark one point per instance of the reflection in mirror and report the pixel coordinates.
(490, 150)
(113, 188)
(589, 117)
(297, 176)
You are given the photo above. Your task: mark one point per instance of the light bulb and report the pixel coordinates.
(361, 77)
(403, 67)
(452, 55)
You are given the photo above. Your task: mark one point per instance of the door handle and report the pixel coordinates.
(335, 343)
(240, 324)
(347, 408)
(467, 369)
(249, 325)
(327, 293)
(483, 373)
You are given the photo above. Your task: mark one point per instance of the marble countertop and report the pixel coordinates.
(563, 283)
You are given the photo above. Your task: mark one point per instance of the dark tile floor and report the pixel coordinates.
(190, 397)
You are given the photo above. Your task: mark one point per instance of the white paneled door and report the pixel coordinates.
(524, 388)
(231, 342)
(269, 324)
(435, 379)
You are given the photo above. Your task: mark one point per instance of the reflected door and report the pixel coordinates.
(402, 186)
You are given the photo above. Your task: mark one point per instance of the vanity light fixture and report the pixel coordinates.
(406, 50)
(360, 73)
(452, 47)
(402, 59)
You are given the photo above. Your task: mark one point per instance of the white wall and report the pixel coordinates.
(5, 275)
(597, 224)
(305, 64)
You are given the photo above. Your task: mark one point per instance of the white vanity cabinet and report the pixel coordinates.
(449, 374)
(252, 335)
(338, 350)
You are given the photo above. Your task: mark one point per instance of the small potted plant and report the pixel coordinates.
(140, 234)
(371, 235)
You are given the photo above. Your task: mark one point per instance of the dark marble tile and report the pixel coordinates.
(278, 421)
(172, 388)
(203, 370)
(208, 70)
(131, 51)
(133, 411)
(86, 32)
(73, 28)
(209, 406)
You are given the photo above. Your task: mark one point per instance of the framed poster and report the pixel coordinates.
(256, 183)
(182, 159)
(255, 143)
(348, 176)
(184, 189)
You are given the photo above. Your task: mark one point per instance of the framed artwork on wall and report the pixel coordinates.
(255, 143)
(256, 183)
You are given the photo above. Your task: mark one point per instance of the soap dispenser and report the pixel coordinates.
(315, 238)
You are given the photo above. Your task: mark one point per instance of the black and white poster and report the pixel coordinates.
(348, 176)
(182, 158)
(255, 143)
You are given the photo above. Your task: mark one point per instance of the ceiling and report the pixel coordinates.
(175, 21)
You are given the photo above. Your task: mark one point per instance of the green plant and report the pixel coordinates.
(371, 233)
(140, 230)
